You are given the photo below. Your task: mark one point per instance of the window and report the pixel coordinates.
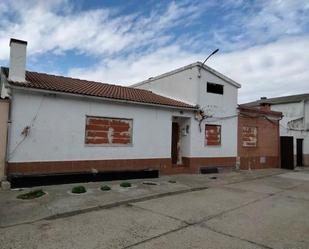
(108, 131)
(214, 88)
(212, 134)
(249, 136)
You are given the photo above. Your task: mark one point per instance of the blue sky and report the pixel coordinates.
(263, 44)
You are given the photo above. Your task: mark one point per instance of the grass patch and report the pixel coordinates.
(172, 181)
(105, 188)
(31, 195)
(79, 190)
(125, 184)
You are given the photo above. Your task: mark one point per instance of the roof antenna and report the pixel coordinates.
(215, 51)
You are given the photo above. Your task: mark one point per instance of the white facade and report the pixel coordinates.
(189, 84)
(57, 122)
(57, 128)
(295, 122)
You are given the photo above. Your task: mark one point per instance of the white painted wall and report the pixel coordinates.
(306, 140)
(18, 52)
(188, 86)
(182, 85)
(290, 112)
(58, 131)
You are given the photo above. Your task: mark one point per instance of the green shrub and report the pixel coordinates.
(32, 194)
(79, 190)
(105, 188)
(172, 181)
(125, 184)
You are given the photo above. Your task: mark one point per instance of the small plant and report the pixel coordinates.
(172, 181)
(105, 188)
(79, 190)
(125, 184)
(32, 194)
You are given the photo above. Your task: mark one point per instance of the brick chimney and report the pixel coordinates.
(264, 106)
(18, 50)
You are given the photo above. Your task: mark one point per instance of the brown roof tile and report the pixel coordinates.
(246, 108)
(96, 89)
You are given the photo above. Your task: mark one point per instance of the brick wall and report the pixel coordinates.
(164, 165)
(249, 136)
(258, 141)
(108, 131)
(212, 134)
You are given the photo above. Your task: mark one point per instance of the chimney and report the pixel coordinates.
(263, 98)
(18, 49)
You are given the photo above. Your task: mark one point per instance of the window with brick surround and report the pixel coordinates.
(212, 135)
(249, 136)
(108, 131)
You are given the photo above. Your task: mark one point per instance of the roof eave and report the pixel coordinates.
(199, 64)
(101, 98)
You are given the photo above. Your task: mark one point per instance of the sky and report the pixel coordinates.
(263, 44)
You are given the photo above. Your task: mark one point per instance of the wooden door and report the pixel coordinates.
(287, 154)
(175, 140)
(299, 152)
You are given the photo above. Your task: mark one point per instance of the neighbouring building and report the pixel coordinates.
(178, 122)
(294, 126)
(4, 113)
(258, 138)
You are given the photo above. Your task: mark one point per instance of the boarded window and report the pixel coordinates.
(249, 136)
(214, 88)
(212, 134)
(108, 131)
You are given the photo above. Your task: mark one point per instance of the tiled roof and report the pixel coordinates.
(55, 83)
(245, 108)
(280, 100)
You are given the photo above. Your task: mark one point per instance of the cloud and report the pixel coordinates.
(274, 69)
(134, 68)
(260, 22)
(55, 26)
(262, 43)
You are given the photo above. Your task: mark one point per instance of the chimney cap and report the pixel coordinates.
(18, 41)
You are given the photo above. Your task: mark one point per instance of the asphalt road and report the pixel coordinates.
(270, 212)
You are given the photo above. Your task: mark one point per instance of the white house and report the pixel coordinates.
(294, 124)
(216, 96)
(176, 122)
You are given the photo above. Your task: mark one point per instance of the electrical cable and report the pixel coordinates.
(27, 129)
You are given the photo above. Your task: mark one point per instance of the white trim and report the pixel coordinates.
(190, 66)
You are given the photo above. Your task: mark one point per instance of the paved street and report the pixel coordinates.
(270, 211)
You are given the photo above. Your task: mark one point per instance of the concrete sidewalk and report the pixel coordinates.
(258, 210)
(59, 202)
